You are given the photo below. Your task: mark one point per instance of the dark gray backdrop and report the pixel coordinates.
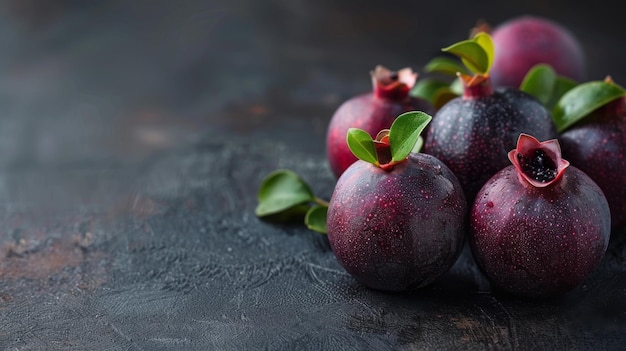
(133, 138)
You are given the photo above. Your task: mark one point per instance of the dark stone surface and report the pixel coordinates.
(133, 139)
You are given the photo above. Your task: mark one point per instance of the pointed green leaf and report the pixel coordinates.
(418, 145)
(315, 219)
(471, 53)
(362, 145)
(540, 82)
(280, 191)
(477, 53)
(485, 41)
(445, 65)
(405, 132)
(583, 99)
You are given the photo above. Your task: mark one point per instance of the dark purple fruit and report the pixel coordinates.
(400, 228)
(539, 228)
(371, 112)
(524, 41)
(473, 133)
(597, 145)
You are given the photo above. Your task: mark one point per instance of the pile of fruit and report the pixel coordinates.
(503, 145)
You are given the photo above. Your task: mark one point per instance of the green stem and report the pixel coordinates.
(321, 202)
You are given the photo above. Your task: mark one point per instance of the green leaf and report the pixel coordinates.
(418, 145)
(428, 88)
(442, 97)
(405, 132)
(477, 53)
(293, 215)
(457, 87)
(540, 82)
(362, 145)
(472, 54)
(315, 219)
(583, 99)
(485, 41)
(436, 91)
(561, 86)
(445, 65)
(280, 191)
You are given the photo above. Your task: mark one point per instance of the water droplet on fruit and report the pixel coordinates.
(438, 170)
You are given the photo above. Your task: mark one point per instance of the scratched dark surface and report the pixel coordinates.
(133, 138)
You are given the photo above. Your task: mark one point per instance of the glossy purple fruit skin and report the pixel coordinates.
(398, 230)
(473, 136)
(597, 145)
(539, 242)
(369, 113)
(522, 42)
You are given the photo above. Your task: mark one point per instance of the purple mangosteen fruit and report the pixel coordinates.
(473, 133)
(371, 112)
(525, 41)
(541, 226)
(396, 218)
(593, 138)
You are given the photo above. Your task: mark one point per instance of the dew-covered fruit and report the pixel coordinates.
(473, 133)
(539, 227)
(372, 112)
(524, 41)
(597, 145)
(397, 229)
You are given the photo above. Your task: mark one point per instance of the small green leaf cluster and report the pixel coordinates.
(545, 85)
(568, 101)
(474, 56)
(581, 100)
(284, 196)
(403, 137)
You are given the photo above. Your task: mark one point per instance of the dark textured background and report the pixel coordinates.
(134, 136)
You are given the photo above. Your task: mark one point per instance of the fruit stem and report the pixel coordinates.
(476, 86)
(321, 202)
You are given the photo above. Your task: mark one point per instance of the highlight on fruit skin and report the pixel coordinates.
(539, 228)
(524, 41)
